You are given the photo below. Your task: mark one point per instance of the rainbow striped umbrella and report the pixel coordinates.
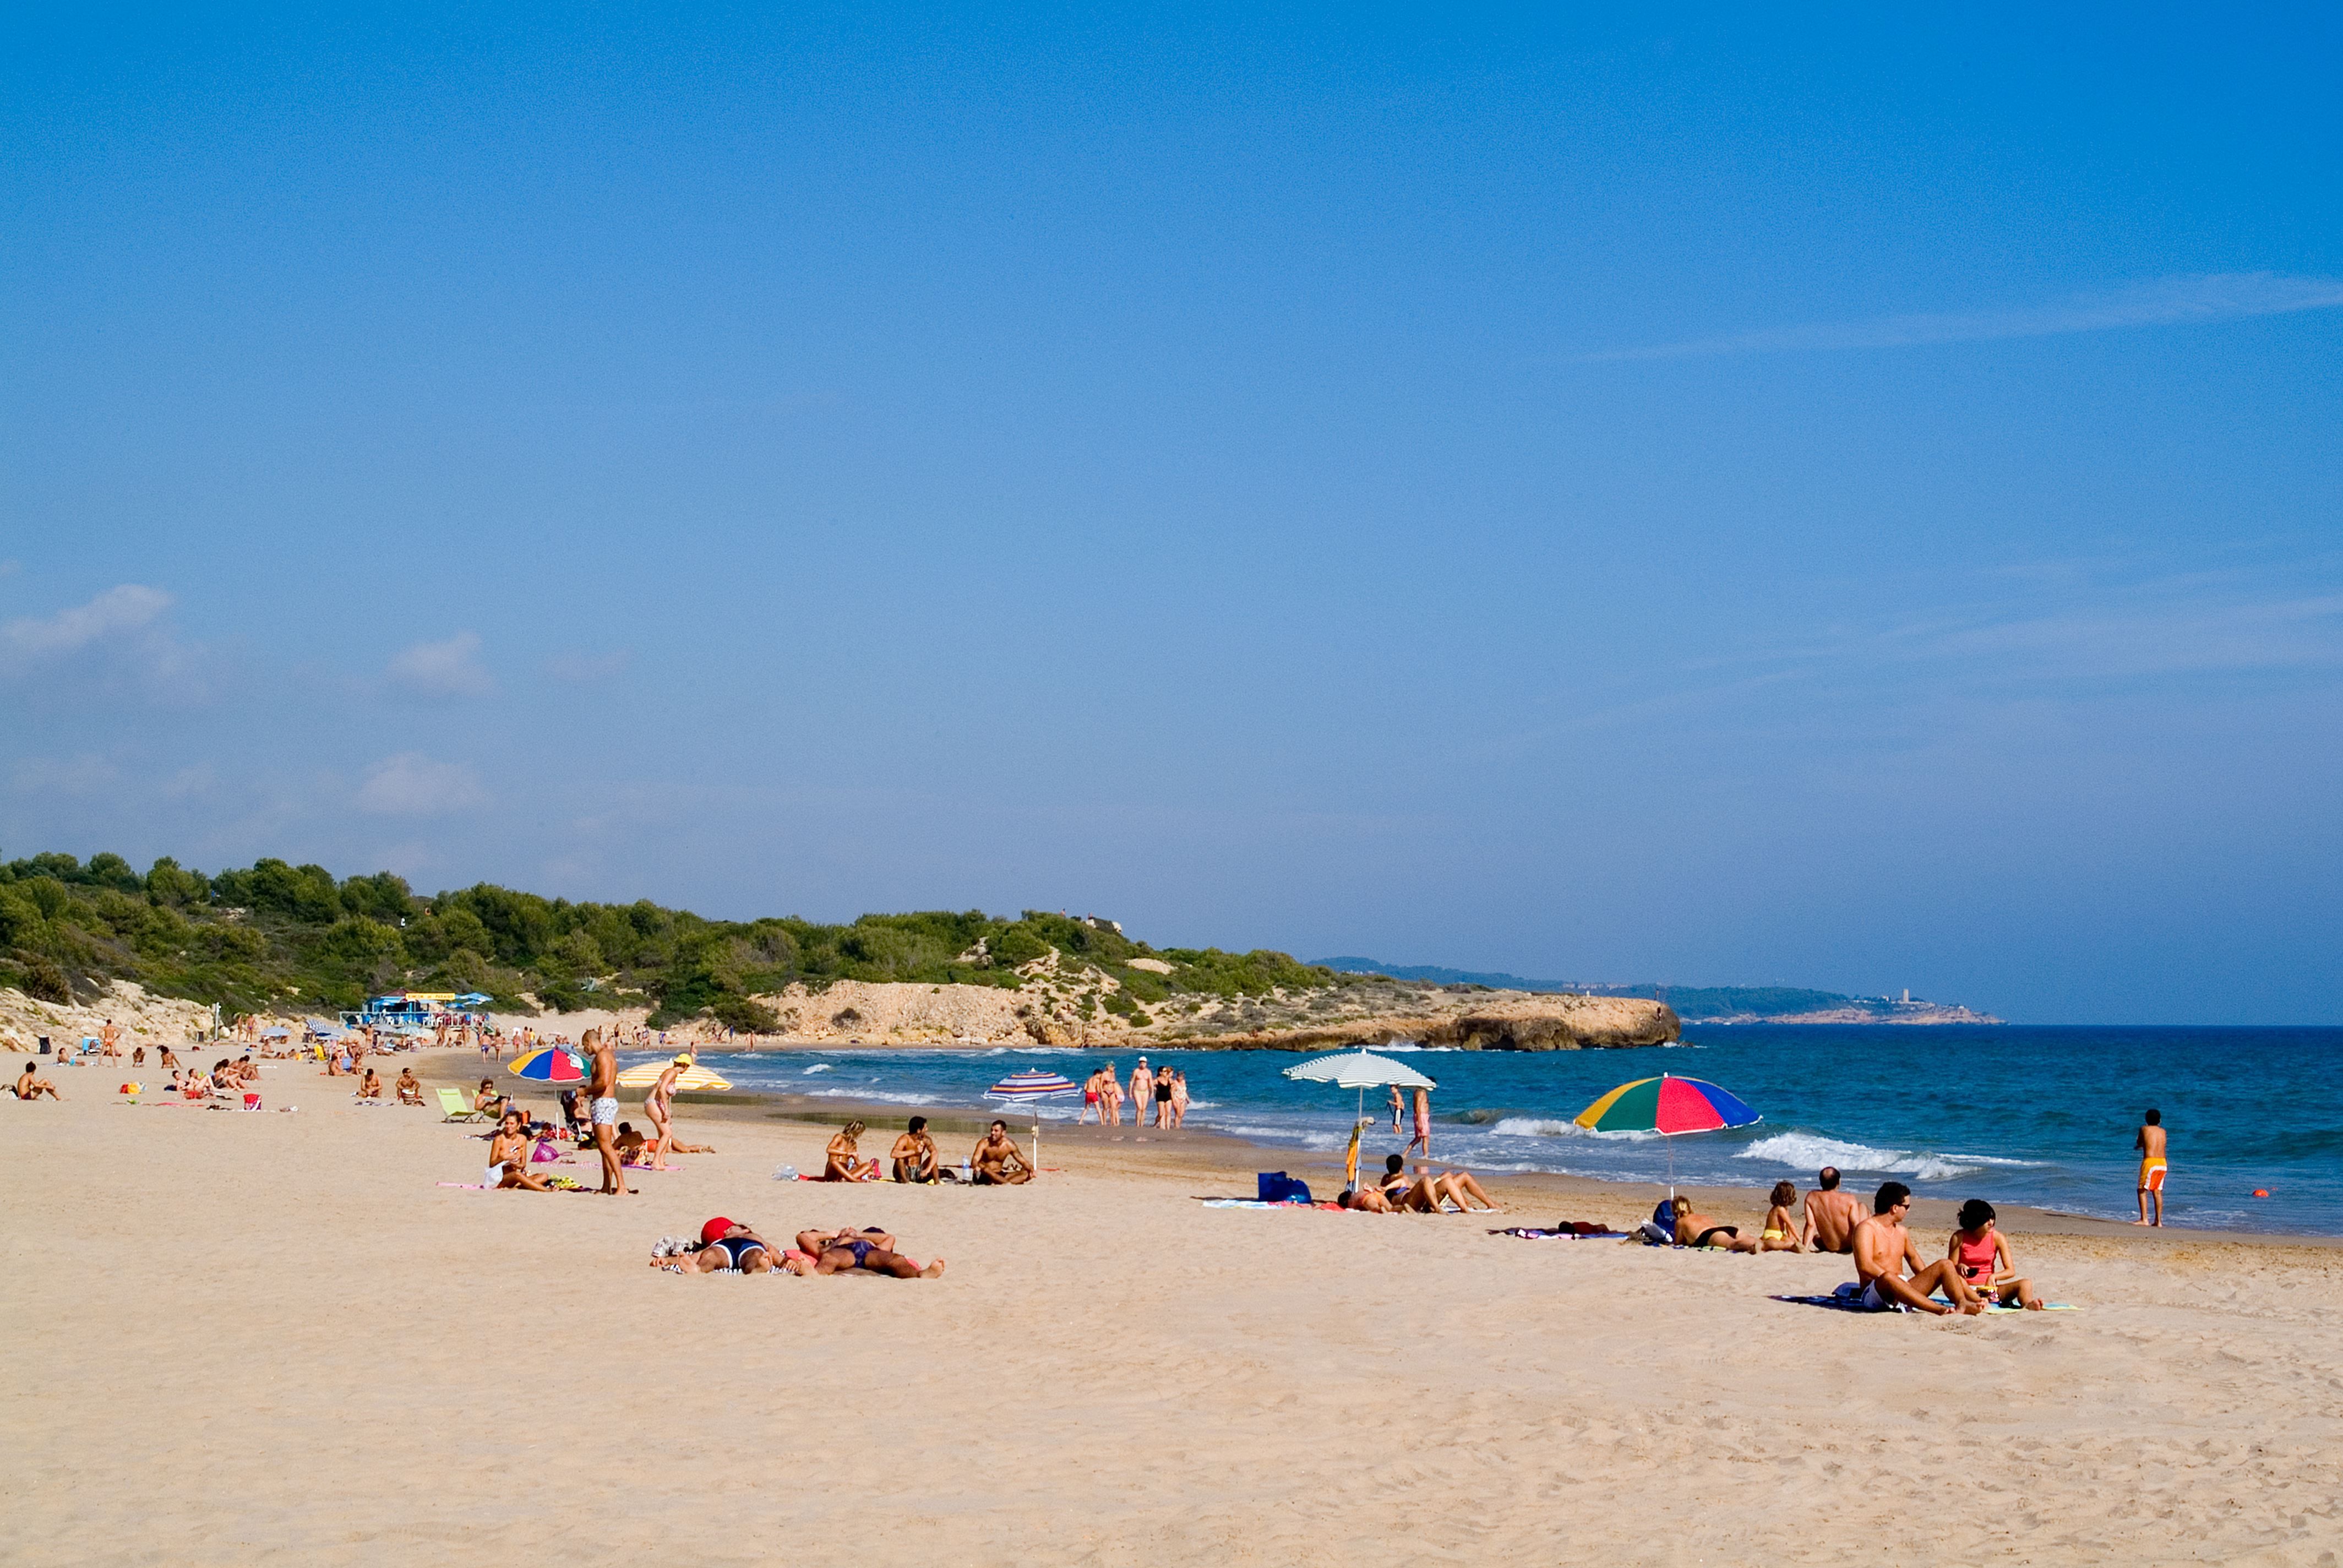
(554, 1064)
(1669, 1106)
(1035, 1085)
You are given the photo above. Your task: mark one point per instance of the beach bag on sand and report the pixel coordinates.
(1277, 1186)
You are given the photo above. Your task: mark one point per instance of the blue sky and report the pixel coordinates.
(1712, 498)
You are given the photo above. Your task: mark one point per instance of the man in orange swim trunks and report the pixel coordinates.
(2150, 1144)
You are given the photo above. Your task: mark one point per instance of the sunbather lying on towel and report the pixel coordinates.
(1695, 1230)
(873, 1249)
(1884, 1249)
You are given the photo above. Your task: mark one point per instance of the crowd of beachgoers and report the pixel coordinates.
(1977, 1270)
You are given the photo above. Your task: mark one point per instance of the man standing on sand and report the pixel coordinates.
(1423, 1123)
(2149, 1141)
(113, 1039)
(602, 1088)
(1884, 1249)
(1831, 1215)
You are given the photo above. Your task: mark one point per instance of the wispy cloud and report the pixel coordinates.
(449, 667)
(128, 608)
(2163, 302)
(412, 784)
(121, 637)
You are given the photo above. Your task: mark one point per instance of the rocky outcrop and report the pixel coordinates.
(1563, 1022)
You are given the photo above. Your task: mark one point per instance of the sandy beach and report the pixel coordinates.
(276, 1338)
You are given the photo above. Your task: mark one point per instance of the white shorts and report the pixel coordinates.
(606, 1112)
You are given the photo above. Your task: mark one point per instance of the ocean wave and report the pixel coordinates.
(821, 1067)
(878, 1095)
(1542, 1127)
(1812, 1151)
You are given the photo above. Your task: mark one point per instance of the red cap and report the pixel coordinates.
(715, 1229)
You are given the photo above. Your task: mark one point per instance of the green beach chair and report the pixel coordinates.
(457, 1108)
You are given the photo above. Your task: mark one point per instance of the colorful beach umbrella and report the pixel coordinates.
(647, 1073)
(553, 1064)
(1666, 1105)
(1036, 1086)
(1669, 1106)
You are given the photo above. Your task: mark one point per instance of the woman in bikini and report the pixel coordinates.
(1781, 1233)
(840, 1162)
(508, 1156)
(1980, 1253)
(1178, 1098)
(871, 1249)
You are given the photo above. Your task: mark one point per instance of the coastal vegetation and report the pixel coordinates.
(278, 936)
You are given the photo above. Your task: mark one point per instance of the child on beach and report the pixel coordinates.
(2149, 1141)
(1781, 1232)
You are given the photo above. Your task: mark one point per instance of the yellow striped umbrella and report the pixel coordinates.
(647, 1075)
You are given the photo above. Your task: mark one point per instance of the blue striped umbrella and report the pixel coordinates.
(1035, 1085)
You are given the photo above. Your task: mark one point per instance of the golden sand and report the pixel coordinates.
(272, 1338)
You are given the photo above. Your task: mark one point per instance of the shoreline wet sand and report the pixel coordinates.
(296, 1339)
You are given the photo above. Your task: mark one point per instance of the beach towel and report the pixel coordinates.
(1257, 1203)
(1848, 1297)
(1559, 1234)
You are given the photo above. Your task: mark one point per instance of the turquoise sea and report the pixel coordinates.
(2022, 1115)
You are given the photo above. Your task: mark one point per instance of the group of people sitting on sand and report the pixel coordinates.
(1396, 1193)
(1977, 1269)
(725, 1244)
(996, 1161)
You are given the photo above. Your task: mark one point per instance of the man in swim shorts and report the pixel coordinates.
(725, 1245)
(2149, 1141)
(1884, 1249)
(602, 1088)
(914, 1155)
(998, 1161)
(30, 1085)
(1831, 1215)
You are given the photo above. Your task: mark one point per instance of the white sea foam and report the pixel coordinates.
(821, 1067)
(878, 1095)
(1812, 1151)
(1539, 1127)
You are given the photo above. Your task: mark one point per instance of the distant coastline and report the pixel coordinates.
(1694, 1004)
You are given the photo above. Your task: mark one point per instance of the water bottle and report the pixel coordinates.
(966, 1174)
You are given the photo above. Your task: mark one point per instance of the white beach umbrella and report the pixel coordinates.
(1361, 1070)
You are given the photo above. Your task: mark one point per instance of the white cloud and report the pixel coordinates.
(2161, 302)
(116, 612)
(582, 668)
(412, 784)
(445, 668)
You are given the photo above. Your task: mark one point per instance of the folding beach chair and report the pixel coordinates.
(457, 1108)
